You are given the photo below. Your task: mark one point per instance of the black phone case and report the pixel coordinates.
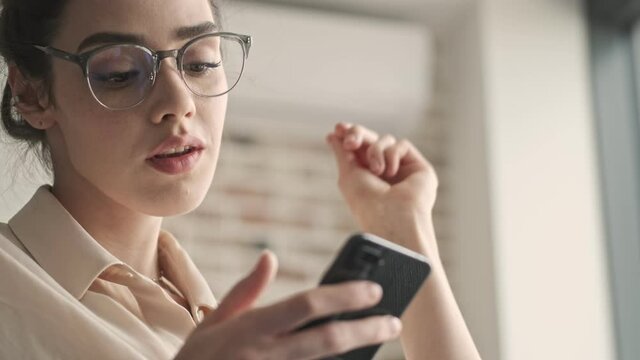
(400, 272)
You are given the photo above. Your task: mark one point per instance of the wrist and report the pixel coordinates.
(416, 233)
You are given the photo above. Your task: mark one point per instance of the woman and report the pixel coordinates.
(133, 135)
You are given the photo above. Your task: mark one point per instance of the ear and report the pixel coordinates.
(30, 99)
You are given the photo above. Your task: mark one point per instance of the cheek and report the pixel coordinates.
(108, 149)
(213, 113)
(99, 148)
(95, 138)
(70, 86)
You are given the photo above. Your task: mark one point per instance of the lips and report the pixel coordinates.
(179, 151)
(177, 154)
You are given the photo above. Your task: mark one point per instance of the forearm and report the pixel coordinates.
(433, 326)
(391, 189)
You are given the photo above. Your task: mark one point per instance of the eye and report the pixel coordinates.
(201, 68)
(116, 79)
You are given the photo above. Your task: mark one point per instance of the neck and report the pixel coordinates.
(130, 236)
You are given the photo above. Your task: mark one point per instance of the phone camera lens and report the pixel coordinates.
(370, 256)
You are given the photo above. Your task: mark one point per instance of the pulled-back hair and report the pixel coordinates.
(33, 22)
(27, 22)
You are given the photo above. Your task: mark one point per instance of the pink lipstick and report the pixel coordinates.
(177, 155)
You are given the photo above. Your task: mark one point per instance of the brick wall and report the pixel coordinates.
(275, 187)
(268, 192)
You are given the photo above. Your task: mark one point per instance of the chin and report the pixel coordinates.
(172, 207)
(178, 200)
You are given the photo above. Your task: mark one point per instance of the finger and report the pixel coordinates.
(344, 158)
(341, 129)
(246, 292)
(338, 337)
(393, 156)
(357, 136)
(314, 304)
(375, 153)
(413, 161)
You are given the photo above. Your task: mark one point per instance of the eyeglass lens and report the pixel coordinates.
(121, 76)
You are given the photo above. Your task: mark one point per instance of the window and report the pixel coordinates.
(635, 46)
(615, 50)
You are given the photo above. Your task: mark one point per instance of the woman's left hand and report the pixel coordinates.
(391, 189)
(389, 186)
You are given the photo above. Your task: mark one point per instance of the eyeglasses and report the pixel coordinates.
(120, 76)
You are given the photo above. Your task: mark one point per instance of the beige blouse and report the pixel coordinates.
(63, 296)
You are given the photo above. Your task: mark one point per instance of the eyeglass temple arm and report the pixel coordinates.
(247, 40)
(59, 53)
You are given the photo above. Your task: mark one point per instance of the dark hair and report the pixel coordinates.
(33, 22)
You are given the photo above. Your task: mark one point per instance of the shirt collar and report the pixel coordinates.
(181, 271)
(59, 244)
(72, 257)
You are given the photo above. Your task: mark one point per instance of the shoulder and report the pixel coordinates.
(15, 259)
(23, 280)
(8, 239)
(41, 319)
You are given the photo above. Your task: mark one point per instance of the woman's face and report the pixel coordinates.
(109, 151)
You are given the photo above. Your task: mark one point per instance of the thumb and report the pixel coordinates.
(245, 293)
(345, 159)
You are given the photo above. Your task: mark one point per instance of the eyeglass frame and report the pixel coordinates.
(82, 60)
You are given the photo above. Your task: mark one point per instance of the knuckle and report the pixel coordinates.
(356, 129)
(374, 150)
(389, 138)
(390, 151)
(308, 304)
(334, 337)
(378, 147)
(403, 143)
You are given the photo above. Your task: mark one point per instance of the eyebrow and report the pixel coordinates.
(183, 33)
(189, 32)
(109, 38)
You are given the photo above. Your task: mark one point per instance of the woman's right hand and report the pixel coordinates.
(236, 330)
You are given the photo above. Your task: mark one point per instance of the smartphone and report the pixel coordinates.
(400, 271)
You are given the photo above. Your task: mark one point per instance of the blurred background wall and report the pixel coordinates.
(495, 92)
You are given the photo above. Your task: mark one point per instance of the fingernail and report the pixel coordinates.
(375, 290)
(395, 324)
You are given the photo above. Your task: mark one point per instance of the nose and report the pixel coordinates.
(170, 98)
